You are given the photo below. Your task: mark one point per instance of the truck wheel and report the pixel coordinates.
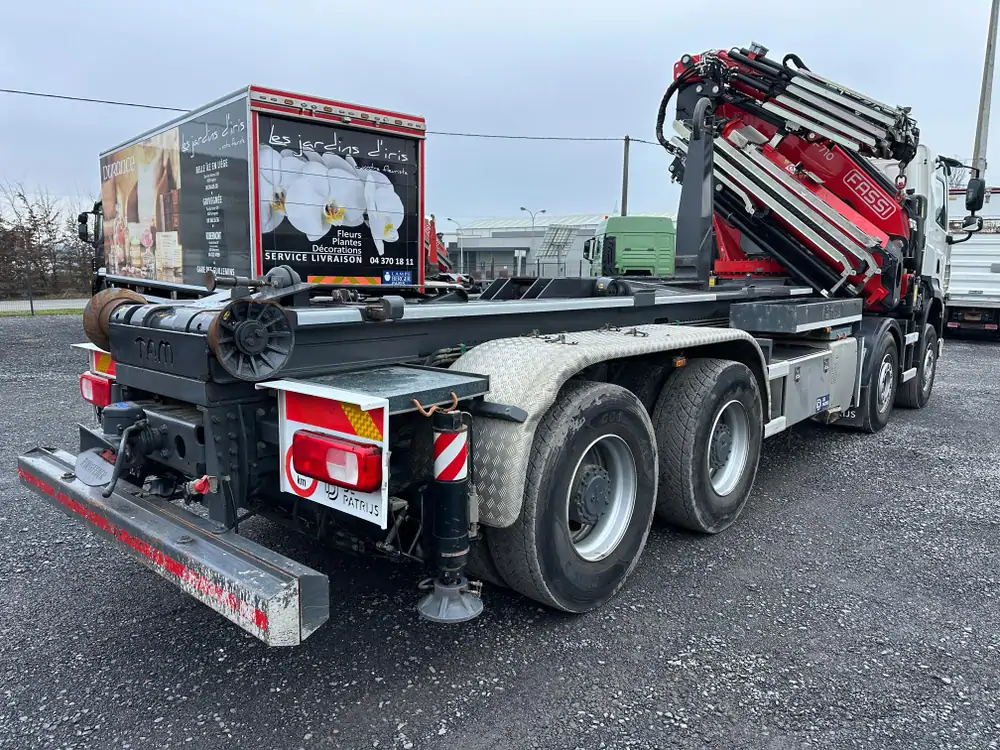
(479, 564)
(645, 380)
(709, 430)
(588, 500)
(882, 384)
(915, 393)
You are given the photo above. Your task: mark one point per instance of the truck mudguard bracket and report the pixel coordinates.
(529, 371)
(270, 596)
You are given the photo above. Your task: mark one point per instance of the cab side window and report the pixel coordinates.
(941, 201)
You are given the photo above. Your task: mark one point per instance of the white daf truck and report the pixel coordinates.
(972, 277)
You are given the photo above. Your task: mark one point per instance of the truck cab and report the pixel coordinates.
(927, 179)
(632, 246)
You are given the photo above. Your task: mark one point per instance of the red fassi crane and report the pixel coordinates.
(435, 254)
(799, 171)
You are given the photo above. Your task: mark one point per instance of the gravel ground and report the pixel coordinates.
(829, 616)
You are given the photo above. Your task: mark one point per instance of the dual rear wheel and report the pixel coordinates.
(602, 465)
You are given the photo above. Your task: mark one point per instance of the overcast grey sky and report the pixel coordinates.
(552, 67)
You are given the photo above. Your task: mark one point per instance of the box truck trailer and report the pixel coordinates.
(972, 277)
(259, 179)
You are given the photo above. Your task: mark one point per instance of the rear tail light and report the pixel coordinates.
(990, 326)
(338, 462)
(95, 390)
(952, 325)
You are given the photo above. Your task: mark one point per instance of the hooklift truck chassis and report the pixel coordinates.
(526, 438)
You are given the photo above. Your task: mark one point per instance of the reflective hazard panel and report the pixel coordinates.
(100, 360)
(350, 416)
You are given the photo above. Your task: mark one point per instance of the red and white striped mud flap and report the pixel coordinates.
(356, 417)
(267, 594)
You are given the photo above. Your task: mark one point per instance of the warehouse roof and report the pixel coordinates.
(541, 221)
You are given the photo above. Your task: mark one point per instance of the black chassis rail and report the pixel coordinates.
(267, 594)
(180, 364)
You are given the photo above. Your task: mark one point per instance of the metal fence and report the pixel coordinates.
(538, 269)
(20, 294)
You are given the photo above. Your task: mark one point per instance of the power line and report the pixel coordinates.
(502, 136)
(524, 137)
(88, 100)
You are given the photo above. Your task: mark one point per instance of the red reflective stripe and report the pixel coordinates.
(319, 412)
(456, 467)
(157, 557)
(442, 440)
(331, 415)
(444, 443)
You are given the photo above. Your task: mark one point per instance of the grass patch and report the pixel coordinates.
(38, 313)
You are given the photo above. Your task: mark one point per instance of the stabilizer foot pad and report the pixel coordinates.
(450, 603)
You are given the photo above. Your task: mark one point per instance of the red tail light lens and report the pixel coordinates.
(95, 390)
(338, 462)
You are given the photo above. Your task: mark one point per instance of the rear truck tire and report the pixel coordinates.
(709, 430)
(588, 500)
(883, 382)
(479, 563)
(645, 380)
(915, 393)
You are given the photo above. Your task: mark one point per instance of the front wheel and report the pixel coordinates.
(882, 384)
(916, 392)
(588, 500)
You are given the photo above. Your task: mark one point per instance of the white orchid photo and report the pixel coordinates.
(319, 191)
(385, 209)
(276, 172)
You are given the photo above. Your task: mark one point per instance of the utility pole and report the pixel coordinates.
(985, 96)
(531, 241)
(625, 177)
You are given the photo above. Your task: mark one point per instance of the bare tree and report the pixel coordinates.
(959, 176)
(38, 244)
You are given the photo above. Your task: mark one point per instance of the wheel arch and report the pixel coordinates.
(935, 314)
(528, 372)
(872, 329)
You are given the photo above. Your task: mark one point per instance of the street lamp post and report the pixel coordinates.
(461, 251)
(531, 248)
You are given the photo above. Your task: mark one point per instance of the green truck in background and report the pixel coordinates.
(632, 246)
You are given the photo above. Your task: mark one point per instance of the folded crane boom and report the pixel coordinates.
(794, 177)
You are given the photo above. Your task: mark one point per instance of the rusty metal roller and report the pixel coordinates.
(97, 313)
(252, 338)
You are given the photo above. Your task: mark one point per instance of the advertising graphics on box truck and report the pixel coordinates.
(337, 203)
(261, 179)
(175, 203)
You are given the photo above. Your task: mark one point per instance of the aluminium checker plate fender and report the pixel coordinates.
(528, 372)
(355, 417)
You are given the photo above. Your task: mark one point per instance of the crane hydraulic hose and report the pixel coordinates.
(661, 114)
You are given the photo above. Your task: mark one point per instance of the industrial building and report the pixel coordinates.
(500, 247)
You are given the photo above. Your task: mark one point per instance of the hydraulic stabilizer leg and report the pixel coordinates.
(446, 520)
(694, 214)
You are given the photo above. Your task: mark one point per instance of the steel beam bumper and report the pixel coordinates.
(265, 593)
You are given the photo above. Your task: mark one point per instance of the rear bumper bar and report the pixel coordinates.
(265, 593)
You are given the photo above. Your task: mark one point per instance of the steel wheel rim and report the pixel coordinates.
(596, 541)
(885, 382)
(728, 447)
(930, 361)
